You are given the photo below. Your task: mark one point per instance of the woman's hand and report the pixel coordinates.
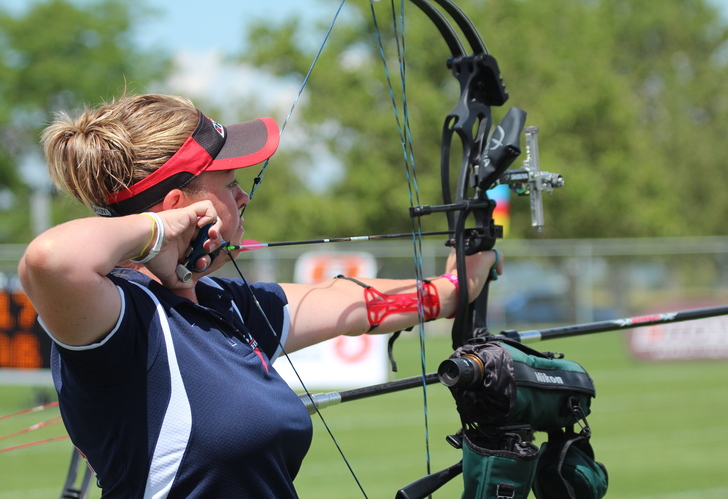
(478, 267)
(180, 227)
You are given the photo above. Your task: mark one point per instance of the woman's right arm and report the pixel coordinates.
(64, 270)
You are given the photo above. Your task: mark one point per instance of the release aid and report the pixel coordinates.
(195, 252)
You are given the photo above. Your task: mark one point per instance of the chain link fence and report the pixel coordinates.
(545, 282)
(553, 282)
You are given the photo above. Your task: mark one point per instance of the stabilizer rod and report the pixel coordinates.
(614, 325)
(323, 400)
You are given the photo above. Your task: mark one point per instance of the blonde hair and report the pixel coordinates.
(107, 149)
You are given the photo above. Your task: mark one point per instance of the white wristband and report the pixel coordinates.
(159, 223)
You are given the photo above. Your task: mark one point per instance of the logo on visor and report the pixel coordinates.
(218, 127)
(102, 211)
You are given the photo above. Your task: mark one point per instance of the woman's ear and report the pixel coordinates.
(174, 199)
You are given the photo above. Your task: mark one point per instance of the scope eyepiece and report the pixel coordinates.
(467, 370)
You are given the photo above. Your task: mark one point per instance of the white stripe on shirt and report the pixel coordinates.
(176, 427)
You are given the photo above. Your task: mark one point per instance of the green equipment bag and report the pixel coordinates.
(502, 382)
(498, 474)
(567, 469)
(547, 384)
(498, 385)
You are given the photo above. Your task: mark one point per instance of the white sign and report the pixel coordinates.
(698, 339)
(345, 361)
(319, 266)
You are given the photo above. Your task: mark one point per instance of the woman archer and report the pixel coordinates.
(165, 382)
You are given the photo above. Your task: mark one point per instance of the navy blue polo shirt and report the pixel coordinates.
(180, 400)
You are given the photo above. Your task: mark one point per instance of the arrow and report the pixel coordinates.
(251, 244)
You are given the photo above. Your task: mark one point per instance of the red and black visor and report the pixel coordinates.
(211, 147)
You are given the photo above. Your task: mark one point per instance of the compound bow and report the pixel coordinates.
(485, 159)
(483, 164)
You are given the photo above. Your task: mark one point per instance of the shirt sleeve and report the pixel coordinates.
(123, 355)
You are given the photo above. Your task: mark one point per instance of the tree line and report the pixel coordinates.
(630, 101)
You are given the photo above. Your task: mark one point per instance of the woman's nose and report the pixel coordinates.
(242, 197)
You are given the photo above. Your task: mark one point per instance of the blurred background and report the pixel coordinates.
(631, 103)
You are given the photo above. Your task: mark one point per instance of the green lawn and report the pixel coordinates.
(660, 428)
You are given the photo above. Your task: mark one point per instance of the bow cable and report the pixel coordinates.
(405, 134)
(308, 395)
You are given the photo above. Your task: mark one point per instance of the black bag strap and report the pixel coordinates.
(569, 438)
(425, 486)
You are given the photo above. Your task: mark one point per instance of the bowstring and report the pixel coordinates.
(259, 178)
(256, 183)
(405, 134)
(271, 329)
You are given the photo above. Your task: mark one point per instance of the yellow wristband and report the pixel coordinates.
(151, 238)
(158, 224)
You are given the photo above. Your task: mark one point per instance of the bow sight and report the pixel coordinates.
(530, 180)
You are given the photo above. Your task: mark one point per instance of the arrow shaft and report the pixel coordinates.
(256, 245)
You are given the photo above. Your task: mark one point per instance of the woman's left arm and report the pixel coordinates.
(339, 306)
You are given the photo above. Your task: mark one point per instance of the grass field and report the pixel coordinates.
(660, 428)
